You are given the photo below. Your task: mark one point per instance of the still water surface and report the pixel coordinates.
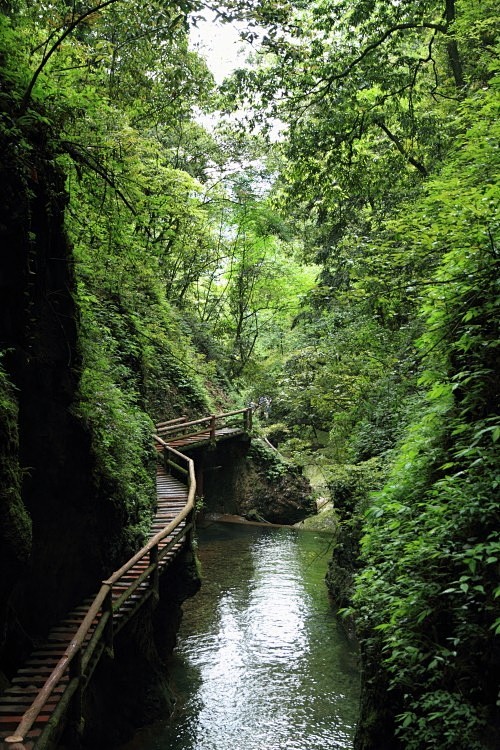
(261, 662)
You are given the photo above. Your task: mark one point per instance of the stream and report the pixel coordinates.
(262, 662)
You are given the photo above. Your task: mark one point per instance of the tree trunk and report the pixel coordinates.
(452, 48)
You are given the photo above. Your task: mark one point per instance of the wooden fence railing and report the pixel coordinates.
(178, 428)
(95, 634)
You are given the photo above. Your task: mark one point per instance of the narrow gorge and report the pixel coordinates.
(302, 228)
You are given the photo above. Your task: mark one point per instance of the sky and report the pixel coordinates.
(220, 45)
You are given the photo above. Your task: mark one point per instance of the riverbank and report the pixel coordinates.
(324, 520)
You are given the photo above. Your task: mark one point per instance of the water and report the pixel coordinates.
(261, 663)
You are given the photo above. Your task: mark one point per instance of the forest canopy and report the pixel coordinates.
(329, 240)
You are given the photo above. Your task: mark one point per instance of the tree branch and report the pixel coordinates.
(71, 27)
(452, 48)
(373, 46)
(89, 162)
(411, 159)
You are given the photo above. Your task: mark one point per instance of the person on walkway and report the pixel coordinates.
(264, 406)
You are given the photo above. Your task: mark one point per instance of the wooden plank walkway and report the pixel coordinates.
(208, 430)
(204, 438)
(49, 686)
(172, 497)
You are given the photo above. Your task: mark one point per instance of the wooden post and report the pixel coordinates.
(75, 670)
(15, 742)
(155, 574)
(107, 606)
(199, 474)
(165, 461)
(248, 419)
(212, 428)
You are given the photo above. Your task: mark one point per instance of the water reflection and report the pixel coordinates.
(261, 663)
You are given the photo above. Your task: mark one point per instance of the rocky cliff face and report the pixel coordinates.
(249, 479)
(55, 526)
(45, 494)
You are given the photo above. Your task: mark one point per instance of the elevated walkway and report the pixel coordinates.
(183, 435)
(47, 691)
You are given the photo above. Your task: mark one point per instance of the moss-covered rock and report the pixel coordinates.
(247, 478)
(326, 519)
(275, 488)
(15, 523)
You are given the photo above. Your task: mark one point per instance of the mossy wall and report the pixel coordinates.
(15, 522)
(45, 448)
(78, 467)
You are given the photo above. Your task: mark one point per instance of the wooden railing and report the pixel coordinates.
(95, 634)
(177, 428)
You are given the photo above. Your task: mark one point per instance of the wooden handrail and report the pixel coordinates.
(192, 423)
(163, 428)
(31, 714)
(97, 610)
(102, 608)
(233, 413)
(171, 421)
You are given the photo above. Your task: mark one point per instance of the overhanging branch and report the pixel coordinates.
(409, 158)
(328, 83)
(85, 159)
(46, 57)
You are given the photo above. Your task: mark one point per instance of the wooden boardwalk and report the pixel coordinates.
(47, 691)
(204, 438)
(215, 428)
(172, 498)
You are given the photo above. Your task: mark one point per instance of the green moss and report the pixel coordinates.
(325, 520)
(427, 597)
(138, 365)
(271, 464)
(121, 446)
(15, 523)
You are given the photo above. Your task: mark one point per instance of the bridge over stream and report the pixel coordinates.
(47, 692)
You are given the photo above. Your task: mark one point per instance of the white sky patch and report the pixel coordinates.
(224, 51)
(220, 45)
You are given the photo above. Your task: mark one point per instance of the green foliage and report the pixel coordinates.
(381, 420)
(271, 463)
(121, 433)
(388, 182)
(444, 708)
(115, 128)
(351, 485)
(137, 358)
(428, 593)
(391, 171)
